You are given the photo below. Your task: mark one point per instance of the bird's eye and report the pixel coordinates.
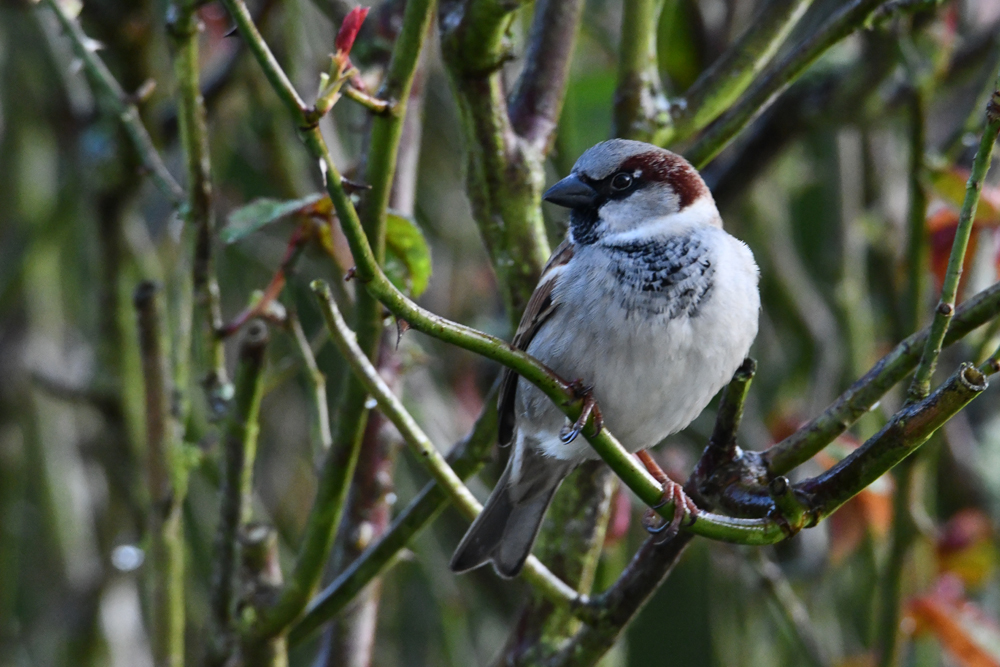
(621, 181)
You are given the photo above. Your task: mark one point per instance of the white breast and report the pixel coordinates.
(651, 375)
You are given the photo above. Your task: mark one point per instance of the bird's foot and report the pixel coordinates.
(590, 407)
(673, 492)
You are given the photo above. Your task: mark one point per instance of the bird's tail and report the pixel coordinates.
(505, 530)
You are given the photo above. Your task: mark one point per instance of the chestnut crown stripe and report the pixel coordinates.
(666, 167)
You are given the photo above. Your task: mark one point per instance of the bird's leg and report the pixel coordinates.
(672, 492)
(590, 407)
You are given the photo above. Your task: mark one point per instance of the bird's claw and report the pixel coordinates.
(684, 507)
(590, 407)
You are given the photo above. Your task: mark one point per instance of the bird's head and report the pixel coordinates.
(622, 190)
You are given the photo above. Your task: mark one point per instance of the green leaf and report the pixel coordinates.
(408, 258)
(260, 212)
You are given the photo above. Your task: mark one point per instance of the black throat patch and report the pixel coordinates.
(671, 277)
(583, 223)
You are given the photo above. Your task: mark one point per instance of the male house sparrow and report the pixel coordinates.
(648, 302)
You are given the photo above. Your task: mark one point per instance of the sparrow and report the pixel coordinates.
(649, 306)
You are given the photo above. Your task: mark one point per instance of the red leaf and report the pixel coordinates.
(941, 228)
(349, 29)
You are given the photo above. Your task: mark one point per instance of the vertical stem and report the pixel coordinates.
(165, 478)
(916, 253)
(903, 527)
(339, 465)
(920, 387)
(240, 448)
(260, 581)
(639, 93)
(903, 532)
(198, 214)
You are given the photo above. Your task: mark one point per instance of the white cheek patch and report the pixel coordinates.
(699, 213)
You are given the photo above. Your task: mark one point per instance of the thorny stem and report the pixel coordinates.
(117, 100)
(166, 476)
(811, 438)
(423, 448)
(845, 21)
(465, 459)
(341, 460)
(184, 28)
(239, 447)
(920, 386)
(720, 85)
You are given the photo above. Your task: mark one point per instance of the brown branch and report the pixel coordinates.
(537, 101)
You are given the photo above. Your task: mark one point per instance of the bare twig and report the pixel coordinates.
(466, 458)
(537, 101)
(866, 391)
(240, 448)
(920, 386)
(183, 30)
(119, 102)
(846, 20)
(164, 465)
(424, 449)
(722, 83)
(316, 377)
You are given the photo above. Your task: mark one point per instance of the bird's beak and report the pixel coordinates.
(571, 192)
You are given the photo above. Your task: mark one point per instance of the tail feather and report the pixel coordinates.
(505, 530)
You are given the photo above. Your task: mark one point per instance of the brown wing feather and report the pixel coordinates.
(540, 307)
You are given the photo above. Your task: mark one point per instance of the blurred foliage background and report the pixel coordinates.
(819, 186)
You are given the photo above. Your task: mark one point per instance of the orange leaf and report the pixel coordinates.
(963, 630)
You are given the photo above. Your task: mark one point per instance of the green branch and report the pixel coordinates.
(166, 478)
(641, 109)
(729, 76)
(810, 439)
(423, 448)
(341, 460)
(117, 100)
(904, 434)
(466, 459)
(845, 21)
(920, 386)
(184, 32)
(505, 172)
(239, 441)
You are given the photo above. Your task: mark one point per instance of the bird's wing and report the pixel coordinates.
(540, 307)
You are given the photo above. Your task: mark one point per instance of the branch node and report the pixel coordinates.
(788, 511)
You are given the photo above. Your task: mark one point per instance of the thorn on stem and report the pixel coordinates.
(402, 326)
(351, 272)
